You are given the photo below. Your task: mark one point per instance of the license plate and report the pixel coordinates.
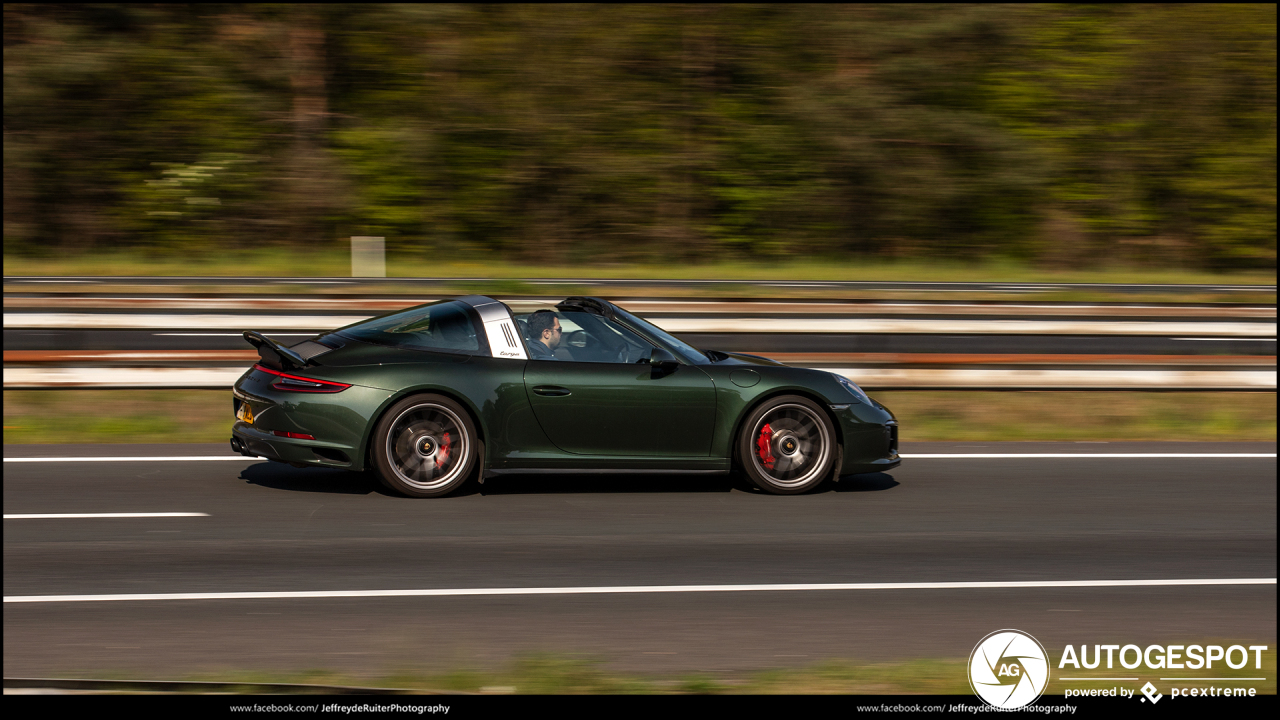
(244, 413)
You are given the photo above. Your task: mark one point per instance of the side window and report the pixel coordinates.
(443, 326)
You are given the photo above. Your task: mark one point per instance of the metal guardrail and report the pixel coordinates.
(858, 285)
(153, 358)
(677, 325)
(213, 369)
(652, 308)
(872, 378)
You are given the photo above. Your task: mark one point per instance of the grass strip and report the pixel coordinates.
(274, 262)
(576, 675)
(498, 277)
(414, 294)
(117, 416)
(1082, 415)
(196, 416)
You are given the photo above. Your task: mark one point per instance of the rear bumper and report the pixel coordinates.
(254, 442)
(337, 421)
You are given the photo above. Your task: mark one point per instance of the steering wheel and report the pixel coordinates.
(577, 339)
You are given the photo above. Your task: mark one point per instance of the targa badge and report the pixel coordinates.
(1008, 669)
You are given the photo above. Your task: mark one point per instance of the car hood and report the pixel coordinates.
(744, 359)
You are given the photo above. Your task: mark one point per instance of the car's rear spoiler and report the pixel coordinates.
(273, 354)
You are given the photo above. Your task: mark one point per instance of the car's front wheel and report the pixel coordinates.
(787, 445)
(424, 446)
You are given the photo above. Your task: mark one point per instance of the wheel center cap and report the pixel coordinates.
(427, 446)
(788, 445)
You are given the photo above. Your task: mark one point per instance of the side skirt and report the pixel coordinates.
(598, 471)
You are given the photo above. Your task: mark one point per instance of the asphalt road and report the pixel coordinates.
(271, 527)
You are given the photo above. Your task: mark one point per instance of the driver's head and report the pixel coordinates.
(544, 326)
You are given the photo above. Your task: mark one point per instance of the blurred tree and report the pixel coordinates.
(98, 100)
(897, 101)
(647, 132)
(1158, 123)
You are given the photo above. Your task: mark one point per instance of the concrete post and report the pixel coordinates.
(368, 257)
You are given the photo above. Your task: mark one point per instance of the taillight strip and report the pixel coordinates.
(294, 435)
(321, 386)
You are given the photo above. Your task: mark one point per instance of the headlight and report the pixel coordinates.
(853, 389)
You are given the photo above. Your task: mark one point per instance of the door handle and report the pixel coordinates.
(551, 391)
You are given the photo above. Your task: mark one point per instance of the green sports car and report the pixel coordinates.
(433, 395)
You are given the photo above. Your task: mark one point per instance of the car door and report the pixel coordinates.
(601, 402)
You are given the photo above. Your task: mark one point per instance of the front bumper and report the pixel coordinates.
(870, 439)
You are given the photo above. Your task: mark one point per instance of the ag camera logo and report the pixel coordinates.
(1008, 669)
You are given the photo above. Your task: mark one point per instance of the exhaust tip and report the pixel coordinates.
(237, 446)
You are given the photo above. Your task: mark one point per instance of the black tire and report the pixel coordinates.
(425, 446)
(787, 445)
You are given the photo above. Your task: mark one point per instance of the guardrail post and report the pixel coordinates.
(368, 257)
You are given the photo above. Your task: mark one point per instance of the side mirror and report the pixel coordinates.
(663, 360)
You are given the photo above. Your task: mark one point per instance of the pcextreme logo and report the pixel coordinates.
(1008, 669)
(1174, 660)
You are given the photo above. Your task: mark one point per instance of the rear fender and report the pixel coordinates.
(366, 446)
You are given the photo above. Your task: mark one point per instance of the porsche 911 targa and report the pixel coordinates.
(436, 394)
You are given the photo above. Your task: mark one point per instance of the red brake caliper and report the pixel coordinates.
(764, 446)
(443, 455)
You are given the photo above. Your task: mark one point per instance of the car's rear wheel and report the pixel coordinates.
(425, 446)
(787, 445)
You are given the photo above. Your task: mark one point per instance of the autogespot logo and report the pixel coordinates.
(1008, 669)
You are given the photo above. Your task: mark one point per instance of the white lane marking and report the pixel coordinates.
(166, 458)
(953, 456)
(631, 589)
(63, 516)
(1218, 339)
(905, 456)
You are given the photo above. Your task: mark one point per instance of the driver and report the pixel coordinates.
(544, 335)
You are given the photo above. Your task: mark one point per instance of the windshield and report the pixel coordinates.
(443, 327)
(691, 353)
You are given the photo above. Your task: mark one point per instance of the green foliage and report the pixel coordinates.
(1158, 123)
(1061, 134)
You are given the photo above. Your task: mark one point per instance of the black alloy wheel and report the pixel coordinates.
(425, 446)
(787, 446)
